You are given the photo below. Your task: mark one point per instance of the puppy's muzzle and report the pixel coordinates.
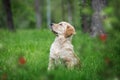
(51, 26)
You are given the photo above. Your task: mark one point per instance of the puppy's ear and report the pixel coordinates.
(69, 31)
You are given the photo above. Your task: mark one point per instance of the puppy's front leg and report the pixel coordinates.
(51, 64)
(70, 65)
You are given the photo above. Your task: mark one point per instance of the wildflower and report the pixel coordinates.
(103, 37)
(22, 60)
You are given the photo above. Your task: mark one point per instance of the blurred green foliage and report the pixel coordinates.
(25, 17)
(24, 14)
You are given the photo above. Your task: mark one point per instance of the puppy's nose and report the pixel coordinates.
(51, 24)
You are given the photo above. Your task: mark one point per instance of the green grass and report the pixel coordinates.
(34, 46)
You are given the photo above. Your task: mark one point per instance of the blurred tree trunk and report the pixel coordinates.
(7, 6)
(70, 10)
(96, 24)
(63, 9)
(38, 14)
(48, 12)
(85, 18)
(69, 13)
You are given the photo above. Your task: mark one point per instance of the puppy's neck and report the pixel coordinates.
(62, 39)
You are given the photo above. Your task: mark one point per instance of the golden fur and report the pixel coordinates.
(61, 50)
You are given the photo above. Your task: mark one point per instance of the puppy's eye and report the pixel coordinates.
(60, 24)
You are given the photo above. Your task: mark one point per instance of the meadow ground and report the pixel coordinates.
(24, 56)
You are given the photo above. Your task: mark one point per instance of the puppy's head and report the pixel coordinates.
(63, 28)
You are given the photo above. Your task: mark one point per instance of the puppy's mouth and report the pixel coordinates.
(51, 26)
(55, 32)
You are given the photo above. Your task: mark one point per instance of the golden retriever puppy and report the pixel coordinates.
(61, 50)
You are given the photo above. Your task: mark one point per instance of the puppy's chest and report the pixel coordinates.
(55, 48)
(60, 50)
